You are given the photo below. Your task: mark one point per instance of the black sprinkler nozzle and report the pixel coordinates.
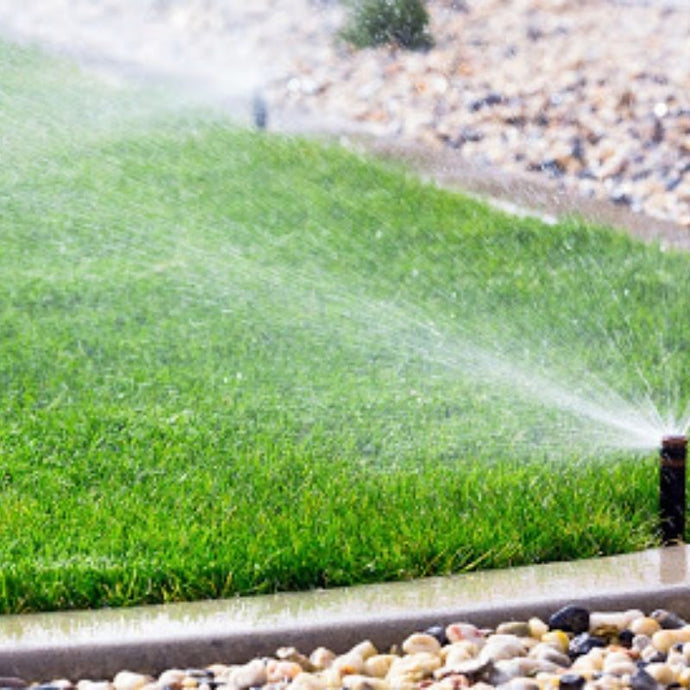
(672, 489)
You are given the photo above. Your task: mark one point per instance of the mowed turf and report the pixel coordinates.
(235, 362)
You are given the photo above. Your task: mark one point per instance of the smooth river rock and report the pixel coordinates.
(574, 619)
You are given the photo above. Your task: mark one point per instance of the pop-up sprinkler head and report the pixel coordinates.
(672, 488)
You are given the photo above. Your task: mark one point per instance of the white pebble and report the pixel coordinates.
(519, 667)
(421, 642)
(550, 653)
(520, 684)
(249, 675)
(615, 658)
(662, 673)
(347, 664)
(365, 650)
(172, 677)
(412, 668)
(308, 681)
(537, 628)
(463, 631)
(660, 109)
(379, 665)
(126, 680)
(321, 658)
(62, 684)
(620, 668)
(454, 653)
(500, 647)
(281, 671)
(665, 639)
(618, 619)
(644, 626)
(358, 682)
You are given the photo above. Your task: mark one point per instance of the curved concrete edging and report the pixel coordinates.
(98, 644)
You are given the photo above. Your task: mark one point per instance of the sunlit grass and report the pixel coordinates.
(237, 363)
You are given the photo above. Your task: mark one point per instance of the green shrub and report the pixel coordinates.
(378, 22)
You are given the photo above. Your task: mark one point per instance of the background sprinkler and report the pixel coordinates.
(259, 111)
(672, 488)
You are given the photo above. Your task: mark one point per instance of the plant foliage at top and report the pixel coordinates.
(380, 22)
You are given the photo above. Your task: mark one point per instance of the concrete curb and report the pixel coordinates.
(98, 644)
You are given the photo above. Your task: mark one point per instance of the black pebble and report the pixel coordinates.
(625, 638)
(571, 681)
(668, 620)
(439, 632)
(584, 643)
(641, 680)
(570, 618)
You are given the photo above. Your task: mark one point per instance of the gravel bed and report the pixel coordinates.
(593, 95)
(574, 649)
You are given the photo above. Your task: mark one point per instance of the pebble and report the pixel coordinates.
(517, 628)
(480, 659)
(291, 654)
(421, 642)
(321, 658)
(573, 619)
(557, 639)
(250, 675)
(346, 664)
(665, 639)
(645, 625)
(472, 669)
(412, 668)
(550, 653)
(366, 650)
(378, 665)
(278, 671)
(661, 672)
(439, 632)
(667, 619)
(500, 647)
(537, 628)
(308, 681)
(357, 682)
(641, 680)
(456, 632)
(126, 680)
(584, 643)
(571, 681)
(172, 678)
(458, 652)
(616, 620)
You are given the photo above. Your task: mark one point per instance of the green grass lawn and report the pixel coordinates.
(235, 362)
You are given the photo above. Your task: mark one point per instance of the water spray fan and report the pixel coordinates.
(672, 488)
